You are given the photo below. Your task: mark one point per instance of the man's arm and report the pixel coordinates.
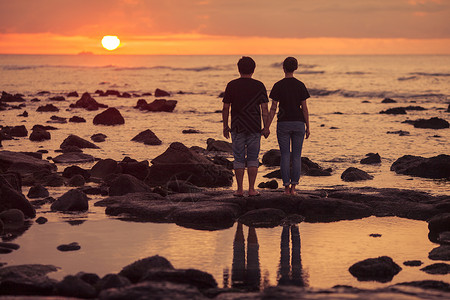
(306, 115)
(265, 116)
(225, 115)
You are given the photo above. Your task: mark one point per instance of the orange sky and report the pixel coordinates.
(226, 26)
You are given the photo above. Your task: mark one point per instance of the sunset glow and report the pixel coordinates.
(110, 42)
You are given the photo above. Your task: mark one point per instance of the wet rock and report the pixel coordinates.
(125, 184)
(41, 220)
(147, 137)
(444, 238)
(77, 180)
(381, 269)
(433, 123)
(74, 140)
(222, 161)
(105, 167)
(440, 253)
(57, 98)
(439, 223)
(135, 271)
(73, 200)
(24, 114)
(72, 286)
(71, 171)
(47, 108)
(192, 277)
(371, 158)
(355, 174)
(221, 146)
(69, 247)
(433, 167)
(190, 131)
(394, 111)
(87, 102)
(109, 117)
(141, 104)
(72, 94)
(413, 263)
(161, 93)
(448, 109)
(399, 132)
(111, 93)
(135, 168)
(272, 184)
(6, 97)
(98, 137)
(19, 131)
(10, 199)
(388, 100)
(271, 158)
(12, 218)
(76, 119)
(375, 235)
(90, 278)
(53, 180)
(39, 135)
(158, 105)
(180, 163)
(112, 281)
(178, 186)
(264, 217)
(10, 246)
(37, 191)
(27, 280)
(438, 268)
(73, 157)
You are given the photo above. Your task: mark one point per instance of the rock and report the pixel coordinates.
(381, 269)
(12, 200)
(438, 268)
(87, 102)
(76, 119)
(444, 238)
(39, 135)
(414, 107)
(72, 286)
(57, 98)
(19, 131)
(74, 140)
(98, 137)
(71, 171)
(69, 247)
(135, 271)
(440, 253)
(371, 158)
(388, 100)
(12, 218)
(355, 174)
(77, 180)
(161, 93)
(264, 217)
(90, 278)
(394, 111)
(439, 223)
(105, 167)
(24, 114)
(413, 263)
(273, 174)
(6, 97)
(375, 235)
(433, 167)
(158, 105)
(73, 157)
(54, 180)
(221, 146)
(147, 137)
(72, 94)
(137, 169)
(111, 93)
(125, 95)
(141, 104)
(399, 132)
(125, 184)
(27, 280)
(37, 191)
(47, 108)
(180, 163)
(112, 281)
(111, 116)
(190, 131)
(272, 184)
(192, 277)
(271, 158)
(11, 246)
(318, 172)
(433, 123)
(73, 200)
(182, 187)
(222, 161)
(41, 220)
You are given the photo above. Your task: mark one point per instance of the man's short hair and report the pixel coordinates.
(290, 64)
(246, 65)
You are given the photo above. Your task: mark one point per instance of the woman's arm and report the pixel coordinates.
(306, 115)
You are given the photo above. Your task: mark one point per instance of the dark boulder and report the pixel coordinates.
(47, 108)
(57, 120)
(433, 123)
(73, 157)
(371, 158)
(13, 199)
(272, 184)
(27, 280)
(381, 269)
(39, 135)
(19, 131)
(413, 263)
(77, 180)
(161, 105)
(439, 223)
(23, 163)
(161, 93)
(87, 102)
(111, 93)
(438, 268)
(105, 167)
(433, 167)
(181, 163)
(57, 98)
(98, 137)
(73, 140)
(147, 137)
(73, 200)
(6, 97)
(135, 168)
(125, 184)
(192, 277)
(68, 149)
(112, 281)
(221, 146)
(109, 117)
(37, 191)
(141, 104)
(355, 174)
(71, 171)
(190, 131)
(72, 286)
(76, 119)
(135, 271)
(271, 158)
(72, 94)
(263, 217)
(388, 100)
(440, 253)
(394, 111)
(69, 247)
(12, 218)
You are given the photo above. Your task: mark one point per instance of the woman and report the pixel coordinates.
(293, 122)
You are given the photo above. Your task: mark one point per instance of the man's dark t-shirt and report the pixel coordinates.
(245, 96)
(289, 93)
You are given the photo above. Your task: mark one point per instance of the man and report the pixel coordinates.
(247, 97)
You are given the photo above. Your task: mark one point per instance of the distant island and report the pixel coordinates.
(85, 53)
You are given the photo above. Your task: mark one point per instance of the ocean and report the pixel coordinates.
(346, 124)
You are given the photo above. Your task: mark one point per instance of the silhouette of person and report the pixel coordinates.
(247, 97)
(292, 123)
(290, 270)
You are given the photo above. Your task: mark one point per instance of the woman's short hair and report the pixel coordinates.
(290, 64)
(246, 65)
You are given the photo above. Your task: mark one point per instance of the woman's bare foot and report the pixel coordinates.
(292, 190)
(253, 193)
(239, 193)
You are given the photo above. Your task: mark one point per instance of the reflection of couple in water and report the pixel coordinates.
(246, 273)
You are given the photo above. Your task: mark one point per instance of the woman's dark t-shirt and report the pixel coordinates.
(245, 95)
(289, 93)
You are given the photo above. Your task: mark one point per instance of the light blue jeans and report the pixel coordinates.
(245, 149)
(290, 133)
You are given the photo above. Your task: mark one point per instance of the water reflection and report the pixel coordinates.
(246, 271)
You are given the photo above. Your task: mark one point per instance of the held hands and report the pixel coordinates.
(265, 132)
(226, 132)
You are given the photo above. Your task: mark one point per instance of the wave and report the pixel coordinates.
(193, 69)
(407, 78)
(430, 74)
(34, 67)
(364, 94)
(114, 68)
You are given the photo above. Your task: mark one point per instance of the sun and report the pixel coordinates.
(110, 42)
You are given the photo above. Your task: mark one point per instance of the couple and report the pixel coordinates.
(248, 100)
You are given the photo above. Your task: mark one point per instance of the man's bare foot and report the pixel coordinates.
(253, 193)
(287, 190)
(293, 191)
(238, 193)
